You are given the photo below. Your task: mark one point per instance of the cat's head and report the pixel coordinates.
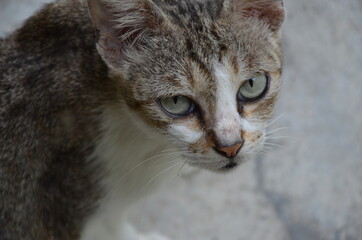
(204, 73)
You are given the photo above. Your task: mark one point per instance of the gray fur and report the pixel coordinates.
(54, 84)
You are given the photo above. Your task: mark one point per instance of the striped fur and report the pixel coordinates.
(82, 131)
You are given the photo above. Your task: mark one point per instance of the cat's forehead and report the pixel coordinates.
(192, 69)
(190, 12)
(203, 39)
(183, 61)
(195, 24)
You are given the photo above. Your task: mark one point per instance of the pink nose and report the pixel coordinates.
(229, 151)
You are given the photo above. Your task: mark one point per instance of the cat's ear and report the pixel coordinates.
(122, 24)
(269, 11)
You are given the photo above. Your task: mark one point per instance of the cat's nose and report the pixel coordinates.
(230, 151)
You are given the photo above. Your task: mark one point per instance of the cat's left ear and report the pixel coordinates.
(122, 25)
(270, 12)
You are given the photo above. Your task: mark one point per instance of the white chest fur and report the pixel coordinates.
(134, 160)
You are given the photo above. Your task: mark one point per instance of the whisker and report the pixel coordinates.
(179, 171)
(146, 161)
(275, 120)
(158, 175)
(169, 150)
(276, 130)
(275, 145)
(167, 162)
(280, 137)
(264, 151)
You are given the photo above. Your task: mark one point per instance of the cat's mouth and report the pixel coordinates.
(217, 166)
(229, 166)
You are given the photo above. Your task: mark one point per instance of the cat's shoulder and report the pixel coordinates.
(50, 70)
(53, 52)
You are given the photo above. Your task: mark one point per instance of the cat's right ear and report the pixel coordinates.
(121, 25)
(270, 12)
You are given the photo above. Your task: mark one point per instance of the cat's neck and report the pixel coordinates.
(133, 159)
(132, 154)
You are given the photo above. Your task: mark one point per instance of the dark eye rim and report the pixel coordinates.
(192, 108)
(250, 100)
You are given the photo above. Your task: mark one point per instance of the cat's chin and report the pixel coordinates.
(229, 166)
(224, 169)
(223, 166)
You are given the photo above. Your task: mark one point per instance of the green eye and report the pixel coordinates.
(177, 105)
(253, 88)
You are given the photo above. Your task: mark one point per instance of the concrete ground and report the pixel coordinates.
(309, 188)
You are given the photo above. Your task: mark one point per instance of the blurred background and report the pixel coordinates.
(309, 185)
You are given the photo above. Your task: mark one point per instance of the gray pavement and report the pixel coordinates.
(309, 188)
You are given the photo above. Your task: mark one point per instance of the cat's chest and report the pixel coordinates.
(134, 159)
(133, 163)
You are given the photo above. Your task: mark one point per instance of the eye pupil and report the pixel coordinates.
(253, 88)
(177, 105)
(251, 82)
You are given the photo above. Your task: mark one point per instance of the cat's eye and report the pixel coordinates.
(253, 88)
(177, 105)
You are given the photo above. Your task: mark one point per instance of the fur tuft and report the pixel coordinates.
(269, 11)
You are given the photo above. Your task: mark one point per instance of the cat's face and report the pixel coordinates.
(204, 74)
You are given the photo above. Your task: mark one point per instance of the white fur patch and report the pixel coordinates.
(247, 126)
(185, 133)
(134, 161)
(228, 120)
(229, 123)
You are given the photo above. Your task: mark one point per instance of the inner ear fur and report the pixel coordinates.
(269, 11)
(123, 23)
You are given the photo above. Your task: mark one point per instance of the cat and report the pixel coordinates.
(100, 98)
